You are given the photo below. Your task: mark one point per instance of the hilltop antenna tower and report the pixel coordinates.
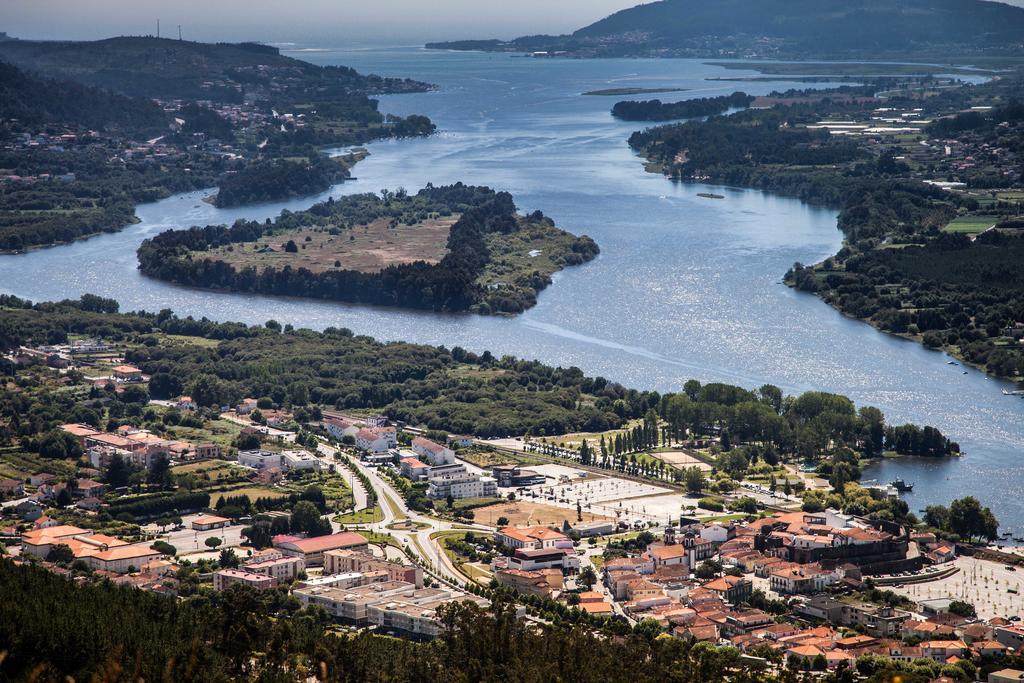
(158, 28)
(179, 31)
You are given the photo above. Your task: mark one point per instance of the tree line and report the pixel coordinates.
(656, 110)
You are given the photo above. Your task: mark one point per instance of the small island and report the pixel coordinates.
(656, 110)
(454, 248)
(625, 92)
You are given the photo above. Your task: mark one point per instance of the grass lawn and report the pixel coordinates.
(212, 468)
(365, 516)
(220, 432)
(364, 248)
(184, 340)
(971, 225)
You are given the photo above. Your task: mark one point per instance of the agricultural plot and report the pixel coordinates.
(365, 248)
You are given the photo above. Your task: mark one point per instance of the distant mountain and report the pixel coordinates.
(794, 28)
(177, 69)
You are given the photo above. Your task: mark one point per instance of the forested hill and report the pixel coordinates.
(176, 69)
(863, 28)
(34, 100)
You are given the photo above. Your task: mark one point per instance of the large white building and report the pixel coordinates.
(285, 460)
(376, 439)
(431, 452)
(460, 485)
(340, 428)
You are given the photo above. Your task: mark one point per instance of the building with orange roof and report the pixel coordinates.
(79, 431)
(733, 589)
(541, 582)
(127, 373)
(667, 555)
(312, 550)
(98, 551)
(941, 650)
(801, 579)
(806, 654)
(208, 522)
(989, 648)
(531, 538)
(593, 602)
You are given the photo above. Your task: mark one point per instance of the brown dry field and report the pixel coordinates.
(522, 513)
(365, 248)
(681, 460)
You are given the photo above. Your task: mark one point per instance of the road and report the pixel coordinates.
(394, 508)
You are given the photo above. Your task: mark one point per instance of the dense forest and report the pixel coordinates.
(34, 100)
(274, 179)
(84, 194)
(867, 29)
(656, 110)
(968, 294)
(897, 269)
(53, 629)
(450, 285)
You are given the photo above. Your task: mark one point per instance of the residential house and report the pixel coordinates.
(29, 510)
(732, 589)
(127, 373)
(11, 488)
(208, 451)
(941, 650)
(87, 488)
(800, 579)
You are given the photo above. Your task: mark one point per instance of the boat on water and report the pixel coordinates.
(952, 362)
(1015, 392)
(902, 486)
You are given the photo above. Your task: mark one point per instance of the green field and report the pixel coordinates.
(364, 516)
(972, 225)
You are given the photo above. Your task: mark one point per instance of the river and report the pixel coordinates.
(685, 286)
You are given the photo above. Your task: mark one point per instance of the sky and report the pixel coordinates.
(333, 22)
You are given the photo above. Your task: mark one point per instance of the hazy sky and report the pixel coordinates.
(322, 22)
(313, 21)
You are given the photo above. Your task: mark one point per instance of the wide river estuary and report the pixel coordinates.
(685, 287)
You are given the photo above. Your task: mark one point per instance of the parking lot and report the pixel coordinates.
(986, 585)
